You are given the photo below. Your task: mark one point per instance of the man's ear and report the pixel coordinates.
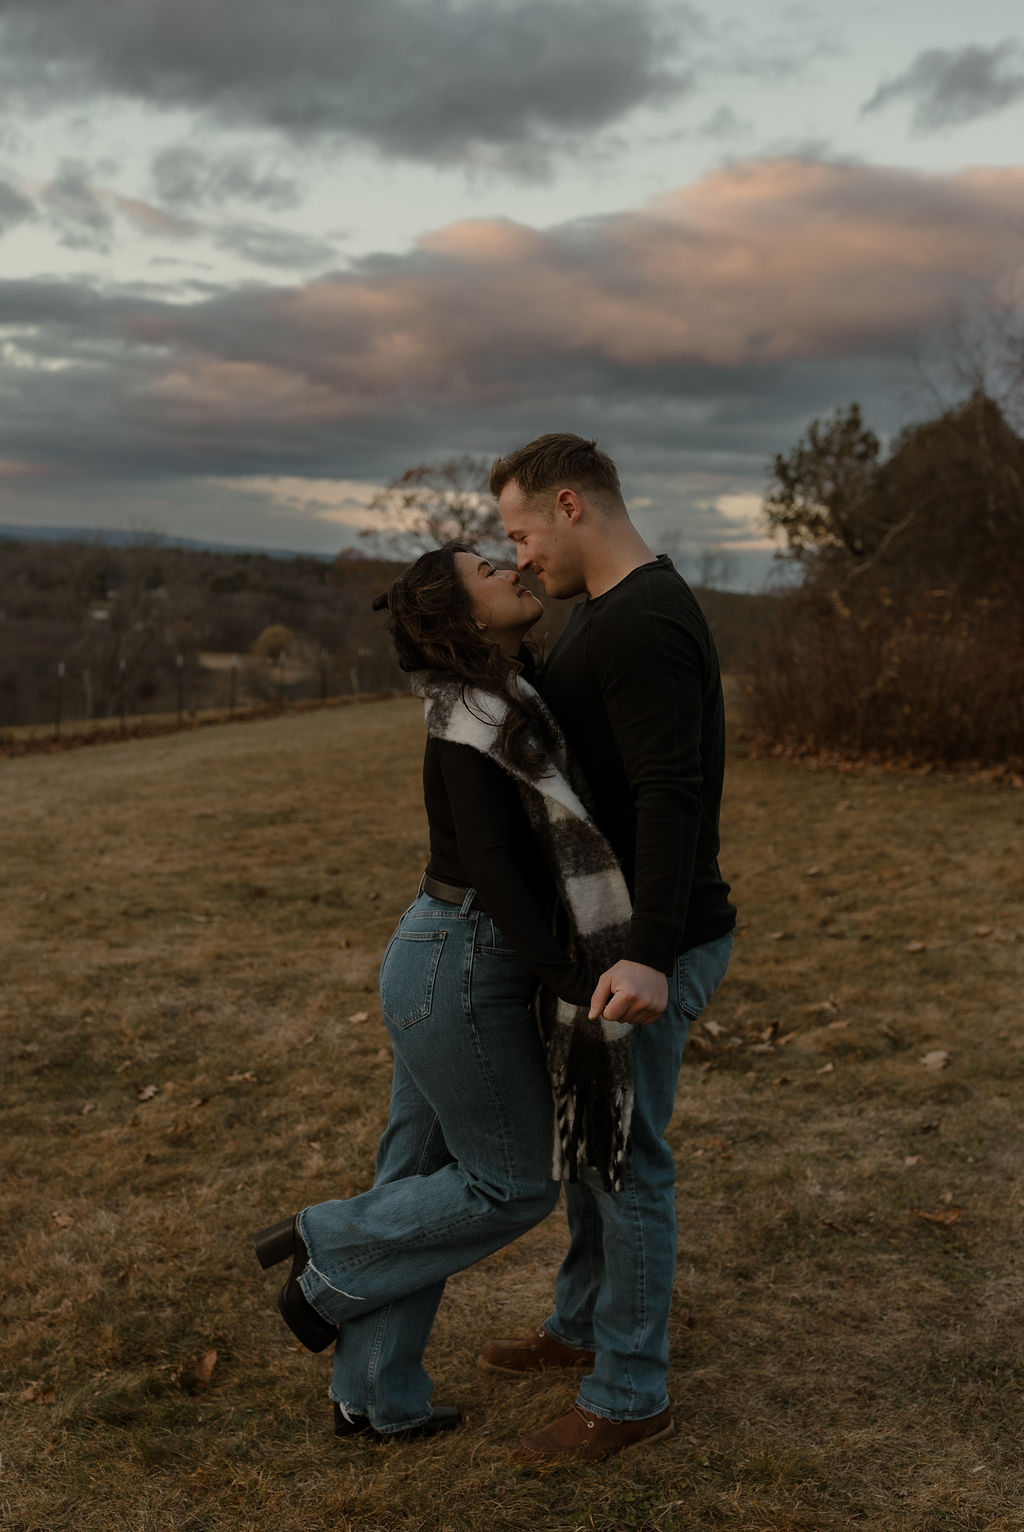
(568, 504)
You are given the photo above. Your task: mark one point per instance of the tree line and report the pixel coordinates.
(905, 637)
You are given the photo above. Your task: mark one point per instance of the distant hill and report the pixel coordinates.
(109, 537)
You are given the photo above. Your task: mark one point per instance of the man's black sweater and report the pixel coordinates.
(634, 682)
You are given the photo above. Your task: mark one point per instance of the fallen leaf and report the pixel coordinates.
(770, 1032)
(787, 1037)
(838, 1026)
(917, 946)
(360, 1016)
(205, 1369)
(248, 1077)
(826, 1069)
(147, 1092)
(949, 1216)
(938, 1058)
(812, 872)
(776, 936)
(761, 1048)
(383, 1056)
(983, 930)
(837, 1228)
(827, 1007)
(198, 1101)
(63, 1220)
(90, 1106)
(714, 1028)
(912, 1159)
(38, 1393)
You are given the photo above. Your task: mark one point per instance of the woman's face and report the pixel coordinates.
(501, 603)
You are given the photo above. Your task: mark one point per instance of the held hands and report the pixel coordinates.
(630, 992)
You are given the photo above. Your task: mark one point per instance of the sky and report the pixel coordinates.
(258, 258)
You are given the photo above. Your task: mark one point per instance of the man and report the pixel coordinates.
(635, 683)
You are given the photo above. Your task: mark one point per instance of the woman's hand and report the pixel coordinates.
(630, 992)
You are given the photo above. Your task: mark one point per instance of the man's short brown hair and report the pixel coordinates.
(558, 459)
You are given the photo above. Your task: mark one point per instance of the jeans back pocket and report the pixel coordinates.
(408, 974)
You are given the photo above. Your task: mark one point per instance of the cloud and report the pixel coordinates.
(695, 334)
(154, 220)
(186, 177)
(14, 208)
(437, 82)
(724, 124)
(953, 86)
(77, 210)
(268, 246)
(83, 215)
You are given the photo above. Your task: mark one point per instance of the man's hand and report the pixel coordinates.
(630, 992)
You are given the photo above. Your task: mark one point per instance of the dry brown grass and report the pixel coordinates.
(204, 913)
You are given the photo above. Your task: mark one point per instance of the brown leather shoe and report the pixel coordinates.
(589, 1437)
(535, 1353)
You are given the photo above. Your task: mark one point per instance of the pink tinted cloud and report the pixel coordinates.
(12, 469)
(764, 262)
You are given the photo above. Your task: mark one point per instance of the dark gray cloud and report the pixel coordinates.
(185, 177)
(82, 219)
(432, 80)
(266, 245)
(14, 208)
(952, 86)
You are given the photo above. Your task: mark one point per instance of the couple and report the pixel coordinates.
(641, 937)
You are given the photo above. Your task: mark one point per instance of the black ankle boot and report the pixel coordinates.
(275, 1244)
(443, 1417)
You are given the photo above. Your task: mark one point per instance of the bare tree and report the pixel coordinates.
(433, 503)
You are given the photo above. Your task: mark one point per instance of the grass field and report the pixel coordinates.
(192, 1047)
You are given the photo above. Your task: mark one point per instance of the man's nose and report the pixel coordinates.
(522, 557)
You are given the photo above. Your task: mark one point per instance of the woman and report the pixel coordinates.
(469, 1159)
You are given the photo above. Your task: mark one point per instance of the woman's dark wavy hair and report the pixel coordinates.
(430, 618)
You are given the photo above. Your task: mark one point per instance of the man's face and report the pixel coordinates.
(546, 538)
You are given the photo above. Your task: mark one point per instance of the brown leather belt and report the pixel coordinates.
(448, 893)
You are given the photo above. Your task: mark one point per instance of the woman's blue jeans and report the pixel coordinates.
(614, 1289)
(464, 1165)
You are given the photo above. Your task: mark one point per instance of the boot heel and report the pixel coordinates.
(275, 1243)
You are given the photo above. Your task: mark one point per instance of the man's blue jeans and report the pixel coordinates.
(464, 1165)
(614, 1289)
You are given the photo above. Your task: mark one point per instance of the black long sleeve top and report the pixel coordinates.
(634, 682)
(480, 837)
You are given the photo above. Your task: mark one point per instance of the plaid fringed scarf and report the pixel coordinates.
(590, 1063)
